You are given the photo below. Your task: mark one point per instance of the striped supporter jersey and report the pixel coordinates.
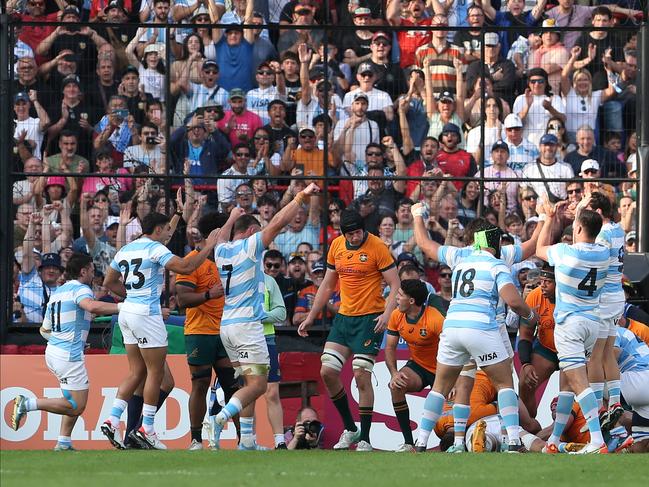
(141, 264)
(612, 237)
(239, 264)
(69, 323)
(580, 272)
(477, 279)
(634, 353)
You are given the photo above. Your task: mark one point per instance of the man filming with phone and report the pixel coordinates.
(117, 127)
(151, 151)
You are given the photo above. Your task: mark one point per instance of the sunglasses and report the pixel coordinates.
(211, 71)
(445, 275)
(271, 265)
(261, 137)
(309, 136)
(583, 105)
(101, 200)
(555, 127)
(244, 193)
(374, 153)
(265, 72)
(574, 191)
(537, 81)
(590, 171)
(530, 198)
(242, 154)
(367, 75)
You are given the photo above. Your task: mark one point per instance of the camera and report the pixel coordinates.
(312, 432)
(73, 28)
(121, 113)
(151, 140)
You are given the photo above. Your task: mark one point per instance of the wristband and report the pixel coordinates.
(530, 316)
(543, 217)
(207, 295)
(119, 307)
(179, 213)
(525, 351)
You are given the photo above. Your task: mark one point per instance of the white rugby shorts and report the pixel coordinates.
(141, 330)
(458, 345)
(72, 376)
(634, 385)
(574, 339)
(245, 343)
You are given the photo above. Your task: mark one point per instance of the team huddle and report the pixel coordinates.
(571, 323)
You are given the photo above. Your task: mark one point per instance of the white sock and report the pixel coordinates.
(30, 404)
(279, 439)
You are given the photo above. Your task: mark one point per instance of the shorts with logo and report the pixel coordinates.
(426, 376)
(72, 376)
(142, 330)
(458, 345)
(245, 343)
(634, 385)
(610, 314)
(204, 349)
(356, 333)
(539, 349)
(574, 339)
(274, 374)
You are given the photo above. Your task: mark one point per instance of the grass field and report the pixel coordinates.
(315, 468)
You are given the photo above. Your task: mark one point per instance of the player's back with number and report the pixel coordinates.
(141, 264)
(612, 236)
(242, 277)
(476, 279)
(580, 273)
(634, 353)
(69, 323)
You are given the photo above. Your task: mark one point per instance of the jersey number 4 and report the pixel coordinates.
(466, 287)
(588, 283)
(136, 263)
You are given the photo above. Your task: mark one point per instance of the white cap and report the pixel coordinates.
(155, 47)
(491, 39)
(589, 164)
(111, 220)
(513, 121)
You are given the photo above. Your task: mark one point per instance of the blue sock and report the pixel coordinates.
(613, 392)
(232, 408)
(460, 417)
(148, 417)
(588, 404)
(432, 411)
(508, 409)
(64, 440)
(119, 405)
(564, 408)
(598, 390)
(247, 431)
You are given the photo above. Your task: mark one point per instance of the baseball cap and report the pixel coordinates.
(318, 266)
(276, 101)
(295, 256)
(233, 26)
(55, 181)
(407, 257)
(130, 69)
(71, 78)
(71, 58)
(115, 4)
(500, 144)
(549, 139)
(70, 10)
(362, 12)
(155, 47)
(381, 35)
(236, 93)
(51, 260)
(316, 73)
(450, 127)
(22, 96)
(446, 96)
(365, 68)
(547, 23)
(630, 236)
(588, 164)
(513, 121)
(305, 128)
(200, 11)
(491, 39)
(112, 220)
(361, 95)
(209, 64)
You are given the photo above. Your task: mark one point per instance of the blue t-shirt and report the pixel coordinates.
(235, 65)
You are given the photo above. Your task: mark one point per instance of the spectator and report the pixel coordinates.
(262, 49)
(273, 263)
(159, 14)
(499, 168)
(557, 127)
(307, 294)
(266, 207)
(450, 158)
(442, 108)
(586, 149)
(150, 65)
(304, 227)
(409, 40)
(548, 167)
(325, 62)
(590, 170)
(239, 123)
(355, 133)
(277, 128)
(28, 128)
(151, 152)
(104, 86)
(492, 128)
(426, 162)
(118, 37)
(291, 69)
(501, 70)
(102, 250)
(513, 16)
(265, 159)
(387, 225)
(537, 105)
(68, 158)
(27, 80)
(389, 77)
(197, 95)
(240, 167)
(297, 268)
(467, 202)
(335, 208)
(380, 107)
(551, 56)
(471, 40)
(384, 198)
(356, 43)
(104, 165)
(258, 99)
(630, 243)
(234, 50)
(135, 97)
(244, 197)
(306, 157)
(35, 11)
(303, 14)
(117, 128)
(25, 190)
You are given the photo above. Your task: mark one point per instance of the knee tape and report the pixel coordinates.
(527, 439)
(332, 359)
(362, 361)
(254, 369)
(202, 374)
(468, 371)
(68, 397)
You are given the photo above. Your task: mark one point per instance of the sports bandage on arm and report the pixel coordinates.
(45, 332)
(525, 351)
(419, 209)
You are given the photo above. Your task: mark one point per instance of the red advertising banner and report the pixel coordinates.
(28, 375)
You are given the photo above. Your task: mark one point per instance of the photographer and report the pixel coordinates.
(151, 151)
(117, 127)
(307, 430)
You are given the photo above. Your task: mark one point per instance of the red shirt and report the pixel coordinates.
(410, 40)
(458, 163)
(244, 126)
(33, 35)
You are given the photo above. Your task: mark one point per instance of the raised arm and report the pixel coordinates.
(249, 34)
(427, 246)
(393, 12)
(304, 54)
(286, 214)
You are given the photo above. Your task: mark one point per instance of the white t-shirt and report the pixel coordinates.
(366, 132)
(558, 170)
(154, 82)
(537, 117)
(306, 113)
(151, 158)
(581, 110)
(33, 128)
(491, 135)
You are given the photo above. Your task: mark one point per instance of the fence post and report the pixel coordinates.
(643, 139)
(6, 223)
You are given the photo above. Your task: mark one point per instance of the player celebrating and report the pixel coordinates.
(470, 327)
(137, 272)
(65, 327)
(420, 326)
(602, 365)
(361, 261)
(580, 271)
(240, 265)
(538, 355)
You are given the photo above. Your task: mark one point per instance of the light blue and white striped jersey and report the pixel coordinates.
(612, 237)
(580, 272)
(240, 266)
(141, 264)
(477, 279)
(69, 323)
(509, 255)
(258, 99)
(634, 353)
(200, 96)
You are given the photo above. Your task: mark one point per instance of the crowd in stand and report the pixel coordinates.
(105, 106)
